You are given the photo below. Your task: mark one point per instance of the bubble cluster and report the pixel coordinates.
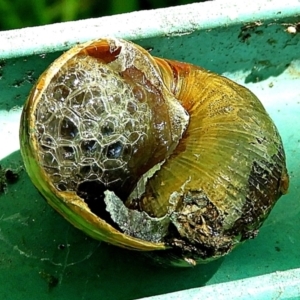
(88, 123)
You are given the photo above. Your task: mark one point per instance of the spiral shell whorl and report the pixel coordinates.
(106, 138)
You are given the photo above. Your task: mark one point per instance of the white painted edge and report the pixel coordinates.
(9, 131)
(143, 24)
(278, 285)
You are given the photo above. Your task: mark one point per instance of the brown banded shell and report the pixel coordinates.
(151, 154)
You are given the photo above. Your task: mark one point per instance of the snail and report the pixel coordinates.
(152, 154)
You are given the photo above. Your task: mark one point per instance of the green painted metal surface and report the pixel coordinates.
(42, 256)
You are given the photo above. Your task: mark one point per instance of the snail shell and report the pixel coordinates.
(151, 154)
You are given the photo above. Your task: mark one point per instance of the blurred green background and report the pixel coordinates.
(19, 13)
